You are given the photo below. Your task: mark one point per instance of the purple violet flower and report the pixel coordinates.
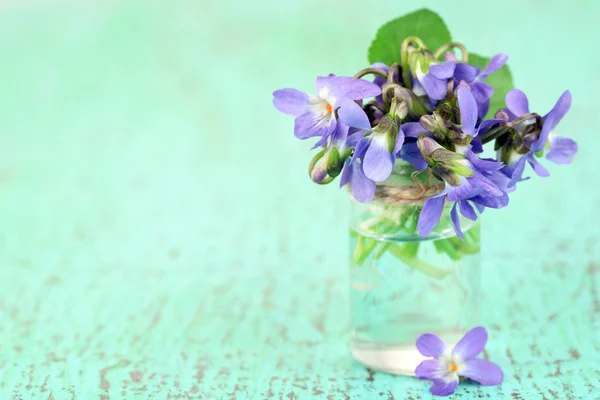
(462, 71)
(316, 115)
(329, 157)
(475, 78)
(433, 79)
(361, 187)
(561, 150)
(467, 104)
(380, 80)
(377, 151)
(468, 114)
(468, 179)
(481, 90)
(447, 365)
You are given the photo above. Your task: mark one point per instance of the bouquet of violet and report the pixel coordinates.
(406, 136)
(425, 108)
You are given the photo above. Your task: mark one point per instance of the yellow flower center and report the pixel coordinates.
(328, 108)
(453, 367)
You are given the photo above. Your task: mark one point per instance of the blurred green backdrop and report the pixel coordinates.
(160, 236)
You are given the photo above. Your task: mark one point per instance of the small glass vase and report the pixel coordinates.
(402, 285)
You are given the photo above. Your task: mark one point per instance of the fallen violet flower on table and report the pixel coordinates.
(446, 366)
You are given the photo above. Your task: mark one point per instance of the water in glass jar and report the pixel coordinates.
(401, 289)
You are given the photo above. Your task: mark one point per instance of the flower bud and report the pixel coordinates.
(446, 175)
(445, 164)
(460, 138)
(427, 146)
(326, 163)
(444, 111)
(429, 123)
(317, 169)
(415, 106)
(434, 123)
(334, 166)
(387, 127)
(399, 110)
(420, 59)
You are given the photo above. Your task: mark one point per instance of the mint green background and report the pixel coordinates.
(159, 235)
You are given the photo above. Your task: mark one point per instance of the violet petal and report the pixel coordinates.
(344, 87)
(290, 101)
(456, 222)
(353, 115)
(378, 162)
(443, 388)
(562, 150)
(483, 371)
(467, 210)
(429, 369)
(552, 119)
(517, 102)
(444, 70)
(362, 188)
(431, 345)
(538, 168)
(471, 344)
(312, 124)
(494, 65)
(465, 72)
(412, 129)
(430, 215)
(434, 87)
(468, 110)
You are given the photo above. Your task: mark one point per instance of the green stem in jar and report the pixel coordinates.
(411, 249)
(381, 249)
(447, 246)
(364, 247)
(469, 246)
(400, 253)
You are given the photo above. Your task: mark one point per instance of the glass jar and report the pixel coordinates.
(402, 285)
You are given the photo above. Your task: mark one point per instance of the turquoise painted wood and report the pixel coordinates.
(159, 237)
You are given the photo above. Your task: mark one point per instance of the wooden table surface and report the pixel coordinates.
(159, 238)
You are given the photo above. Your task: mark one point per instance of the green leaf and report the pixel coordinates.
(500, 80)
(423, 23)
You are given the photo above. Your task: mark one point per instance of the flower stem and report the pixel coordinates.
(384, 92)
(364, 247)
(414, 40)
(393, 69)
(428, 269)
(377, 105)
(446, 246)
(381, 250)
(504, 127)
(522, 118)
(453, 45)
(370, 70)
(493, 134)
